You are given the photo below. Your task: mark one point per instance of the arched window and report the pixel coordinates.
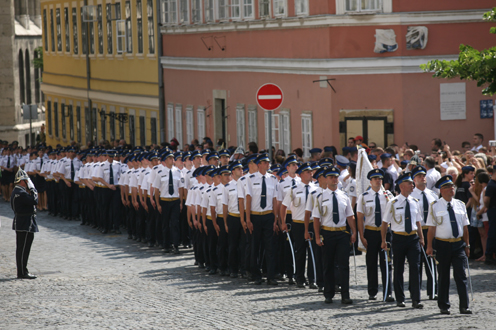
(27, 64)
(21, 77)
(36, 81)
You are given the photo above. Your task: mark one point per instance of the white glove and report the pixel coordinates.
(30, 184)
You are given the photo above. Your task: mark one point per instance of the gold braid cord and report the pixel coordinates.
(434, 218)
(394, 214)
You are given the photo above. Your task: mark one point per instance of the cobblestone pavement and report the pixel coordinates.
(87, 280)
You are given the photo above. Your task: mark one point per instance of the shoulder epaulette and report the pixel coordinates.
(273, 176)
(201, 188)
(415, 199)
(319, 195)
(462, 202)
(243, 178)
(253, 175)
(214, 189)
(282, 180)
(433, 202)
(226, 185)
(394, 201)
(365, 193)
(313, 192)
(101, 165)
(159, 171)
(208, 190)
(188, 172)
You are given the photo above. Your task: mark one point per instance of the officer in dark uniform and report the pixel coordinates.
(23, 201)
(448, 233)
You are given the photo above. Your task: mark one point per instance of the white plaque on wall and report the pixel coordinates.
(453, 101)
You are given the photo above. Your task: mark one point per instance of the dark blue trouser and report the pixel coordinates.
(301, 248)
(491, 233)
(222, 251)
(374, 251)
(451, 254)
(170, 223)
(428, 263)
(237, 244)
(263, 230)
(212, 239)
(406, 247)
(336, 250)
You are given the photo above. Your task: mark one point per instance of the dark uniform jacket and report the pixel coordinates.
(23, 205)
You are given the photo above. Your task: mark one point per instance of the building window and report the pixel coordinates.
(279, 8)
(183, 7)
(92, 37)
(223, 9)
(189, 125)
(209, 11)
(59, 30)
(22, 91)
(235, 9)
(52, 31)
(108, 14)
(122, 133)
(45, 29)
(248, 8)
(169, 11)
(129, 28)
(71, 122)
(142, 130)
(151, 27)
(100, 28)
(363, 5)
(67, 30)
(95, 124)
(75, 42)
(139, 25)
(179, 124)
(87, 124)
(153, 129)
(36, 81)
(275, 130)
(306, 134)
(301, 7)
(170, 121)
(56, 118)
(285, 131)
(201, 123)
(84, 35)
(120, 26)
(196, 11)
(112, 123)
(78, 123)
(132, 131)
(252, 125)
(62, 116)
(27, 64)
(49, 116)
(103, 127)
(264, 8)
(240, 125)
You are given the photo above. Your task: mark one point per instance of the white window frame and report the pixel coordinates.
(248, 4)
(306, 133)
(280, 4)
(240, 126)
(285, 130)
(196, 11)
(169, 17)
(170, 121)
(223, 10)
(190, 127)
(200, 113)
(275, 129)
(252, 124)
(385, 6)
(298, 5)
(183, 11)
(265, 15)
(209, 11)
(179, 123)
(121, 34)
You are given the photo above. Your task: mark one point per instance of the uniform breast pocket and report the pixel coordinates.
(297, 201)
(369, 211)
(441, 216)
(233, 194)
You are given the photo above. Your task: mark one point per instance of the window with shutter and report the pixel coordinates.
(179, 124)
(240, 125)
(189, 125)
(170, 122)
(306, 131)
(252, 124)
(201, 123)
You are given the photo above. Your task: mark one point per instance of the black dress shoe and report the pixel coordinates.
(150, 245)
(417, 304)
(272, 282)
(464, 310)
(27, 276)
(433, 297)
(234, 275)
(372, 297)
(445, 311)
(105, 231)
(279, 277)
(212, 272)
(258, 282)
(321, 289)
(346, 301)
(300, 285)
(389, 299)
(328, 300)
(201, 265)
(167, 250)
(337, 289)
(313, 286)
(291, 281)
(176, 251)
(401, 304)
(207, 268)
(118, 232)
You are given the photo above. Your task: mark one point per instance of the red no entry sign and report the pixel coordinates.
(269, 97)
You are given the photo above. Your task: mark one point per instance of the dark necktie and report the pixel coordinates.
(41, 163)
(408, 218)
(293, 182)
(111, 177)
(426, 206)
(8, 161)
(335, 209)
(306, 192)
(72, 169)
(377, 210)
(263, 196)
(171, 184)
(454, 225)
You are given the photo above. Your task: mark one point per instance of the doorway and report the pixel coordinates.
(220, 119)
(372, 129)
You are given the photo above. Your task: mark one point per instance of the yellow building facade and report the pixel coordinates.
(100, 75)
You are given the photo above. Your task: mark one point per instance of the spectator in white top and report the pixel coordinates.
(478, 138)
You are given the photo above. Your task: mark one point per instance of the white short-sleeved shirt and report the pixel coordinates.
(254, 189)
(230, 197)
(395, 213)
(431, 197)
(323, 208)
(366, 205)
(432, 176)
(216, 199)
(439, 217)
(350, 189)
(162, 182)
(205, 202)
(284, 185)
(296, 199)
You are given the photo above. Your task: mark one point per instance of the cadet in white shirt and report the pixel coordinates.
(193, 217)
(404, 215)
(204, 209)
(371, 208)
(332, 211)
(432, 175)
(425, 197)
(261, 217)
(448, 234)
(168, 185)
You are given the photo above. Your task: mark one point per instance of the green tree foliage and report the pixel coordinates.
(471, 64)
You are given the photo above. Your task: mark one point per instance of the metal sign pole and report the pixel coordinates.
(269, 147)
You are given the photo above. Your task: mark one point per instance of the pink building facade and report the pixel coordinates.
(217, 53)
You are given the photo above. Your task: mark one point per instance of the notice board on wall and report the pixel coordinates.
(453, 101)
